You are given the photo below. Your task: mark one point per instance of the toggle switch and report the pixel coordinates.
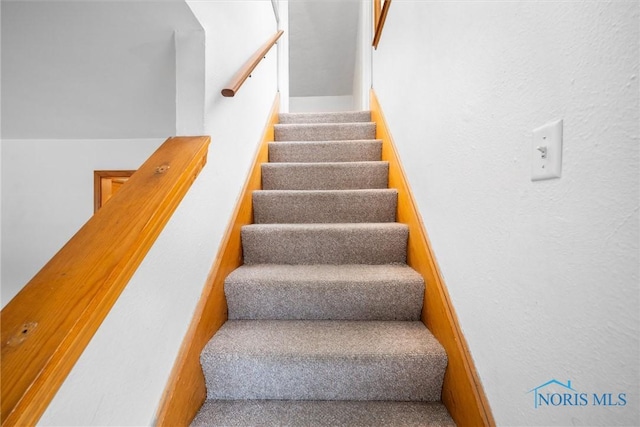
(543, 150)
(547, 151)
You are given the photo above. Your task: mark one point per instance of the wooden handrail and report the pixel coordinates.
(380, 22)
(48, 324)
(232, 88)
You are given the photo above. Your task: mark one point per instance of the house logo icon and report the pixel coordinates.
(556, 398)
(554, 393)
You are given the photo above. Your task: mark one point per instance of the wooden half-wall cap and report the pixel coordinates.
(48, 324)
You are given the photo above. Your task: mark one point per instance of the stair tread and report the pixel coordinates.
(325, 151)
(324, 206)
(355, 192)
(334, 142)
(325, 243)
(297, 413)
(324, 131)
(322, 292)
(314, 273)
(324, 165)
(324, 360)
(373, 226)
(325, 176)
(326, 117)
(264, 339)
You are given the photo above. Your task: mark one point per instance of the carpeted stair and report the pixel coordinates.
(324, 316)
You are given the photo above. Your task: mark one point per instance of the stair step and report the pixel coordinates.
(324, 360)
(330, 117)
(364, 243)
(324, 206)
(324, 131)
(301, 413)
(325, 176)
(325, 151)
(324, 292)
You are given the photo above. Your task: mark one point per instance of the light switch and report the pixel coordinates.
(547, 151)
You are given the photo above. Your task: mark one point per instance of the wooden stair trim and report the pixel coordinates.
(186, 391)
(462, 391)
(48, 324)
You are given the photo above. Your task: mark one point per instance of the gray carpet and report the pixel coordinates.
(367, 150)
(324, 131)
(324, 360)
(304, 413)
(362, 243)
(324, 206)
(325, 176)
(324, 292)
(329, 117)
(324, 316)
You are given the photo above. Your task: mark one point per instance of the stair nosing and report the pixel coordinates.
(318, 164)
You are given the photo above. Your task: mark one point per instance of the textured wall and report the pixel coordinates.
(543, 275)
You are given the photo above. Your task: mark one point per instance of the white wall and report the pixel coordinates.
(90, 69)
(120, 377)
(362, 69)
(47, 195)
(322, 46)
(235, 124)
(318, 104)
(1, 300)
(543, 275)
(190, 81)
(283, 55)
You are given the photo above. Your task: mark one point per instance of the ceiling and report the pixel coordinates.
(322, 46)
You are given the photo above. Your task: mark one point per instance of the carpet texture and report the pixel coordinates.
(324, 315)
(363, 243)
(324, 360)
(304, 413)
(324, 292)
(329, 117)
(325, 176)
(325, 151)
(324, 206)
(324, 131)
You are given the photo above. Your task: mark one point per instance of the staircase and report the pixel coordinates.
(324, 316)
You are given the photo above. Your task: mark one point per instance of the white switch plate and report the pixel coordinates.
(547, 151)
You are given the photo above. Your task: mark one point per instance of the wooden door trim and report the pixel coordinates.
(98, 176)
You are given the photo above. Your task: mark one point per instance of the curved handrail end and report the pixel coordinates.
(228, 93)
